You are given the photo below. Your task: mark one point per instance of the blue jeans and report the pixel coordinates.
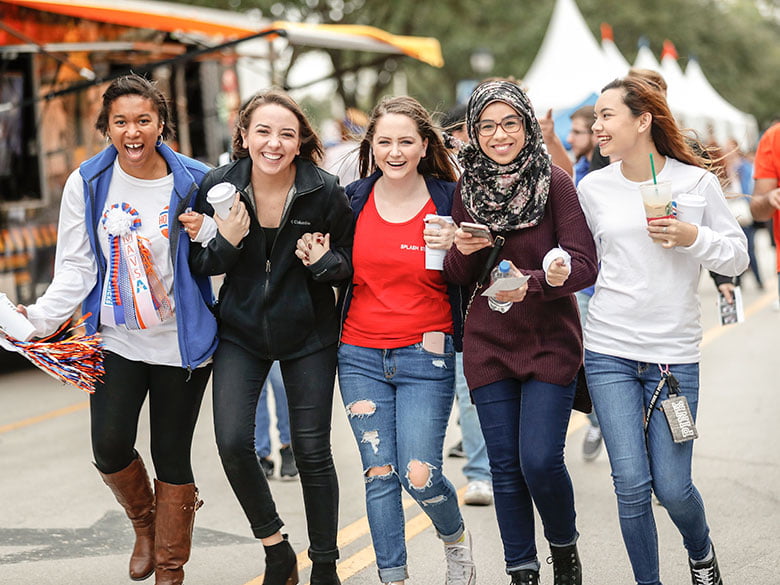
(477, 466)
(524, 424)
(398, 402)
(263, 420)
(621, 390)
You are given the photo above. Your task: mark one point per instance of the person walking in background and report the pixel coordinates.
(522, 365)
(121, 208)
(287, 468)
(643, 329)
(397, 352)
(765, 203)
(583, 145)
(274, 305)
(479, 491)
(341, 157)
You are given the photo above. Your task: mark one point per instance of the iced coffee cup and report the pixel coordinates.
(434, 258)
(12, 322)
(220, 197)
(657, 199)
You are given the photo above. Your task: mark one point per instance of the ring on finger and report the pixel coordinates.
(666, 228)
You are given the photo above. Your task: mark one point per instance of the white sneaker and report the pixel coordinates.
(479, 493)
(460, 563)
(591, 446)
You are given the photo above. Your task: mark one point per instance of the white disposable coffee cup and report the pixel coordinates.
(220, 197)
(434, 258)
(690, 207)
(12, 322)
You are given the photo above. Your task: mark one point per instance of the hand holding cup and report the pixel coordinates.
(236, 226)
(672, 232)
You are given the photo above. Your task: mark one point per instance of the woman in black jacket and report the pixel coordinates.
(275, 306)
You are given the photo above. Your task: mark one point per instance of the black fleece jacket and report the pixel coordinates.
(279, 308)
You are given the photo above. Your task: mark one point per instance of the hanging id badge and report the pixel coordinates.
(678, 413)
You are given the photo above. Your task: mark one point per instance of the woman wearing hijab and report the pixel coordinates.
(522, 365)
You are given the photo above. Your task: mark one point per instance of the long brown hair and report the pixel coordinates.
(437, 161)
(641, 95)
(311, 145)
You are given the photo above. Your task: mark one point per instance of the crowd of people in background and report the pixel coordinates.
(598, 306)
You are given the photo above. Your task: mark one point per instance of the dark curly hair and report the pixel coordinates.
(135, 84)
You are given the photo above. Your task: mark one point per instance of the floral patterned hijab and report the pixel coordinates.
(512, 196)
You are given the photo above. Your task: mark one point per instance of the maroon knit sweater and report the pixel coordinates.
(540, 337)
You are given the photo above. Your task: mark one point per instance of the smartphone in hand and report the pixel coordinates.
(477, 230)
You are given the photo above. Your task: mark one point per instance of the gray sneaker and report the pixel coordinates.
(591, 446)
(478, 493)
(460, 563)
(288, 469)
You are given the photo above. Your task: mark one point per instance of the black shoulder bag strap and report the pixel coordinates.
(498, 243)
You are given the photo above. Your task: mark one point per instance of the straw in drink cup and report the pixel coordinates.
(657, 199)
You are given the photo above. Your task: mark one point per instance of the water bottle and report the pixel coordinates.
(500, 271)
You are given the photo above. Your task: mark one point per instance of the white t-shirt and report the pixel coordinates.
(75, 272)
(646, 306)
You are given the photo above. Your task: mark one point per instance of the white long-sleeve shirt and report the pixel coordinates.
(646, 305)
(75, 269)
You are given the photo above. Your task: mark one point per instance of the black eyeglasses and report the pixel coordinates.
(510, 125)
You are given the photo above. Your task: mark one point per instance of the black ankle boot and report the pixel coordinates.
(567, 569)
(525, 577)
(324, 574)
(281, 564)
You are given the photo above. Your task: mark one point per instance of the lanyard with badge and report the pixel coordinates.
(675, 407)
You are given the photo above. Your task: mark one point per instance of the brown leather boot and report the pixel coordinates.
(133, 491)
(176, 505)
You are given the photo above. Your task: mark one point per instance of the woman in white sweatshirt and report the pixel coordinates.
(643, 325)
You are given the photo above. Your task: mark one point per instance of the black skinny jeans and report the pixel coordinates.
(174, 403)
(238, 380)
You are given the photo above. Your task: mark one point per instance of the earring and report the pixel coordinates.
(159, 142)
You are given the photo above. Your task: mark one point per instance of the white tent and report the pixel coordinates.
(729, 122)
(617, 64)
(684, 103)
(645, 58)
(695, 103)
(570, 66)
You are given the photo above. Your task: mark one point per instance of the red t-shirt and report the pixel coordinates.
(394, 298)
(767, 166)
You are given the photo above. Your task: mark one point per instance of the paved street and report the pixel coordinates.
(59, 525)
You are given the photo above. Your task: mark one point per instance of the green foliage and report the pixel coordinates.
(735, 43)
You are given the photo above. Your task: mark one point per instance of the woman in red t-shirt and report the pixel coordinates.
(397, 353)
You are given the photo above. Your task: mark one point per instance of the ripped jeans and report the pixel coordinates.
(398, 402)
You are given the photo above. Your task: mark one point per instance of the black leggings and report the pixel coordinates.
(174, 402)
(308, 381)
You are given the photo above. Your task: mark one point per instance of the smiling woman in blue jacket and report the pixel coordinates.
(122, 256)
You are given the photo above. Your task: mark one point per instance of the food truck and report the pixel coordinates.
(56, 58)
